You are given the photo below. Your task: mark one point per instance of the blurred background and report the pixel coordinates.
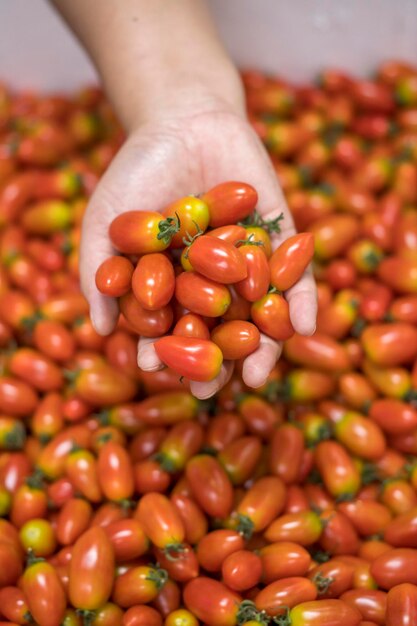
(294, 39)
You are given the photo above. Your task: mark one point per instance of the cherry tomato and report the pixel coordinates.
(390, 344)
(142, 615)
(29, 501)
(161, 522)
(304, 528)
(284, 594)
(138, 585)
(318, 351)
(283, 559)
(360, 435)
(216, 546)
(73, 520)
(38, 536)
(101, 385)
(211, 602)
(91, 572)
(115, 472)
(191, 325)
(14, 605)
(181, 617)
(167, 408)
(182, 442)
(236, 339)
(256, 283)
(290, 260)
(142, 321)
(142, 232)
(261, 504)
(240, 458)
(201, 295)
(232, 233)
(370, 602)
(128, 539)
(401, 605)
(324, 613)
(393, 416)
(239, 308)
(332, 578)
(230, 202)
(45, 593)
(337, 469)
(210, 485)
(399, 273)
(196, 359)
(181, 565)
(260, 417)
(36, 369)
(271, 315)
(193, 216)
(16, 397)
(81, 469)
(368, 517)
(114, 276)
(333, 234)
(12, 563)
(153, 281)
(52, 459)
(242, 570)
(54, 340)
(395, 567)
(339, 536)
(216, 259)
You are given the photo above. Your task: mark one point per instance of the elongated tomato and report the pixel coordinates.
(210, 485)
(141, 232)
(261, 504)
(337, 469)
(16, 397)
(143, 321)
(103, 385)
(290, 260)
(91, 571)
(201, 295)
(115, 472)
(236, 339)
(318, 351)
(193, 218)
(230, 202)
(256, 284)
(395, 567)
(390, 344)
(283, 593)
(324, 613)
(45, 593)
(272, 317)
(401, 605)
(212, 602)
(161, 522)
(216, 259)
(196, 359)
(191, 325)
(114, 275)
(232, 233)
(153, 281)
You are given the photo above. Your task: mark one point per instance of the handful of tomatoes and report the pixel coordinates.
(124, 501)
(201, 271)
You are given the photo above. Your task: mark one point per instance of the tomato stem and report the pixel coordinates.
(168, 228)
(248, 242)
(32, 559)
(189, 239)
(271, 226)
(158, 576)
(87, 616)
(247, 612)
(178, 548)
(165, 462)
(322, 583)
(15, 439)
(245, 526)
(36, 480)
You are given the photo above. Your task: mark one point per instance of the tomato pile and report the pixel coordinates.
(229, 273)
(124, 501)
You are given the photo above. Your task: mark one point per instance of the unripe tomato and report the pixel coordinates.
(38, 536)
(193, 216)
(261, 504)
(54, 340)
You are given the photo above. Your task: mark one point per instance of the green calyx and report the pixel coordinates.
(322, 583)
(15, 439)
(158, 576)
(189, 239)
(168, 228)
(248, 612)
(165, 463)
(87, 616)
(271, 226)
(174, 551)
(245, 526)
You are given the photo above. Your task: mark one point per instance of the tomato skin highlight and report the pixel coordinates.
(230, 202)
(115, 472)
(91, 570)
(210, 485)
(114, 275)
(160, 521)
(236, 339)
(325, 613)
(44, 592)
(395, 567)
(201, 295)
(217, 260)
(211, 602)
(290, 260)
(191, 325)
(401, 605)
(196, 359)
(286, 592)
(153, 281)
(271, 315)
(304, 528)
(216, 546)
(256, 284)
(370, 602)
(241, 570)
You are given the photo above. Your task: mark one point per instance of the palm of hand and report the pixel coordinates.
(161, 163)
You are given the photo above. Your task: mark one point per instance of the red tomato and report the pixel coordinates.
(36, 369)
(401, 605)
(193, 519)
(101, 385)
(240, 458)
(191, 325)
(52, 459)
(91, 571)
(14, 605)
(216, 259)
(368, 517)
(332, 578)
(271, 315)
(399, 273)
(16, 397)
(256, 283)
(360, 435)
(339, 536)
(201, 295)
(196, 359)
(128, 539)
(230, 202)
(115, 472)
(182, 442)
(261, 504)
(161, 522)
(393, 416)
(45, 594)
(232, 233)
(239, 308)
(236, 339)
(167, 408)
(12, 563)
(210, 485)
(395, 567)
(29, 501)
(371, 603)
(318, 351)
(142, 615)
(283, 559)
(216, 546)
(153, 281)
(193, 217)
(242, 570)
(324, 613)
(333, 234)
(222, 429)
(142, 321)
(81, 469)
(285, 594)
(286, 452)
(54, 340)
(141, 232)
(290, 260)
(73, 520)
(337, 469)
(138, 585)
(304, 528)
(390, 344)
(65, 307)
(181, 565)
(211, 602)
(114, 276)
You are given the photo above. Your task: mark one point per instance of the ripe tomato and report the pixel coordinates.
(239, 308)
(271, 315)
(318, 351)
(216, 259)
(191, 325)
(390, 344)
(196, 359)
(16, 397)
(399, 273)
(73, 520)
(324, 613)
(401, 605)
(182, 442)
(81, 469)
(138, 585)
(332, 578)
(230, 202)
(193, 519)
(339, 536)
(211, 602)
(290, 260)
(216, 546)
(360, 435)
(29, 501)
(12, 562)
(242, 570)
(368, 517)
(114, 276)
(333, 234)
(210, 485)
(370, 602)
(52, 459)
(356, 390)
(141, 232)
(393, 416)
(240, 458)
(153, 281)
(223, 429)
(101, 385)
(283, 559)
(200, 295)
(261, 504)
(304, 528)
(167, 408)
(128, 539)
(54, 340)
(337, 469)
(14, 605)
(395, 567)
(161, 522)
(286, 453)
(115, 472)
(256, 283)
(91, 571)
(193, 218)
(44, 592)
(236, 339)
(285, 594)
(142, 321)
(150, 476)
(232, 233)
(142, 615)
(181, 564)
(36, 369)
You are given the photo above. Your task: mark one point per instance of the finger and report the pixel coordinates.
(148, 360)
(302, 300)
(104, 311)
(202, 391)
(258, 365)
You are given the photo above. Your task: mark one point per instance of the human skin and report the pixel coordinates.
(181, 101)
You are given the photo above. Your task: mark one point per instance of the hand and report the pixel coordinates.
(163, 161)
